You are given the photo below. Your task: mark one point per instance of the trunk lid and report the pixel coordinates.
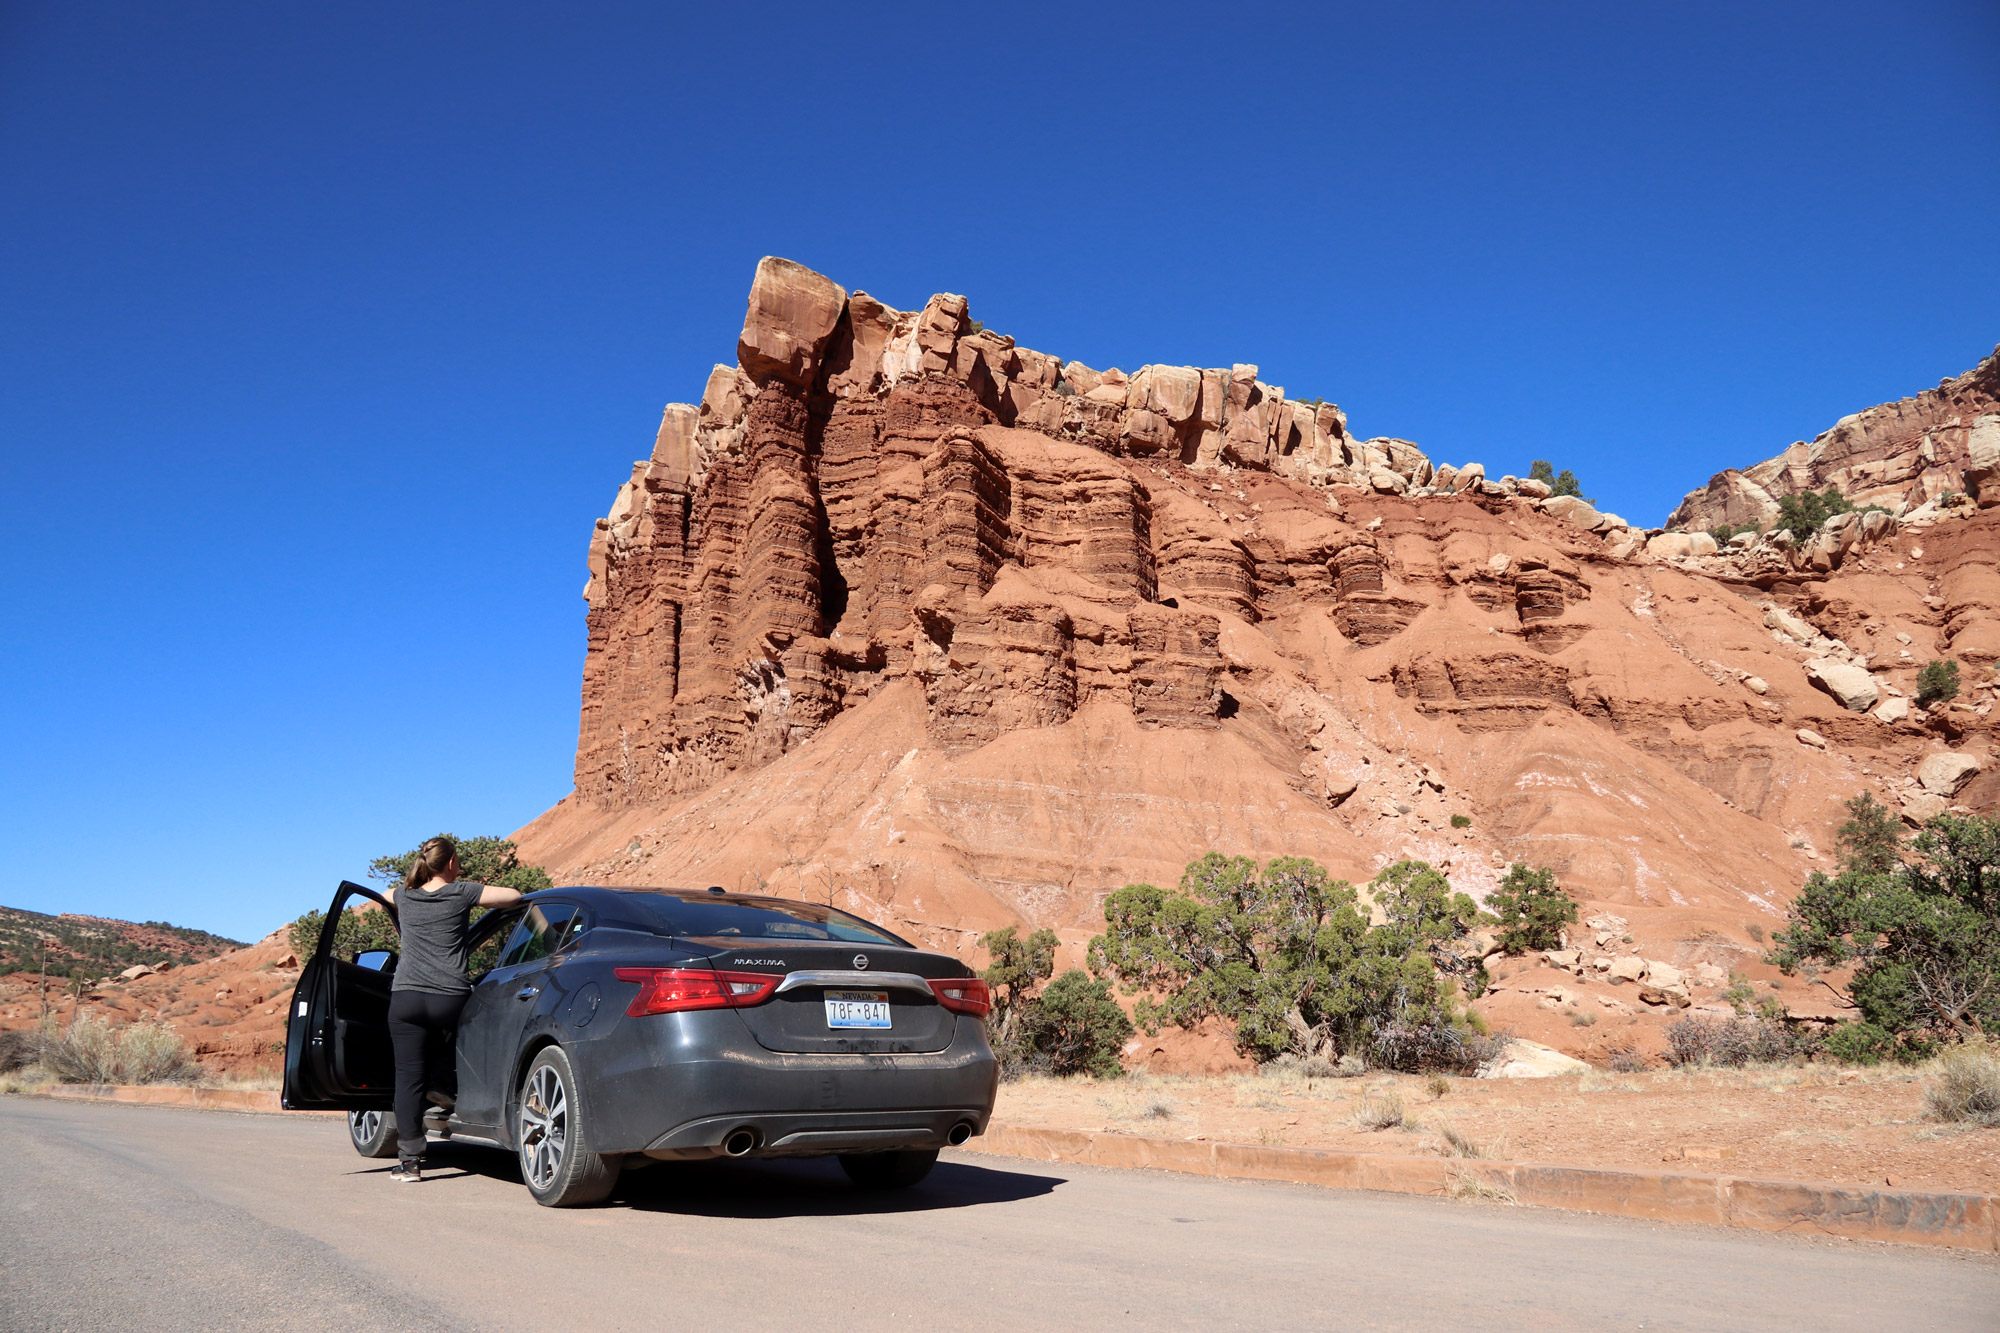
(868, 983)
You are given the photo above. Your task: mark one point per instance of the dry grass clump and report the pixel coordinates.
(1378, 1111)
(1464, 1183)
(1309, 1067)
(1453, 1143)
(1966, 1088)
(90, 1050)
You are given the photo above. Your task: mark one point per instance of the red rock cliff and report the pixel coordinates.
(952, 632)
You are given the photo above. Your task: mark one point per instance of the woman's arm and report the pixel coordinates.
(491, 895)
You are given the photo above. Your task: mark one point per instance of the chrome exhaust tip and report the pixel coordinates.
(739, 1142)
(959, 1133)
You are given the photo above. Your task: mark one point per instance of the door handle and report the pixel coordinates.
(527, 992)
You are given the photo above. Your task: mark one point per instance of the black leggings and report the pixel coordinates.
(422, 1028)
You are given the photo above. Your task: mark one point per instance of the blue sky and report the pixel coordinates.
(327, 331)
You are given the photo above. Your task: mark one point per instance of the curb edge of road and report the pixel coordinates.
(173, 1094)
(1902, 1217)
(1949, 1220)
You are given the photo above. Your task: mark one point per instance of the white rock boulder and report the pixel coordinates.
(1529, 1059)
(1850, 685)
(1942, 774)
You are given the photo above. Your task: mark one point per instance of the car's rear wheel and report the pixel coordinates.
(373, 1133)
(888, 1170)
(553, 1131)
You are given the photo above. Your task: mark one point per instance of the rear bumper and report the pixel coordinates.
(816, 1133)
(677, 1086)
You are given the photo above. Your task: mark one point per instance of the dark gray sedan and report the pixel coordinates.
(613, 1027)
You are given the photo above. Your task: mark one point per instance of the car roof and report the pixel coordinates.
(606, 898)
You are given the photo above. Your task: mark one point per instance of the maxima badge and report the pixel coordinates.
(861, 962)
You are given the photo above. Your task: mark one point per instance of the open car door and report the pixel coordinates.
(337, 1052)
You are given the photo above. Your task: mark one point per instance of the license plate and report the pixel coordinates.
(857, 1008)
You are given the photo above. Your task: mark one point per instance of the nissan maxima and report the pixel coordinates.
(612, 1027)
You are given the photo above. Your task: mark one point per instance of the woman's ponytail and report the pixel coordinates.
(433, 859)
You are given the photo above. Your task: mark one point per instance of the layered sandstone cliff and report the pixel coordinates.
(955, 633)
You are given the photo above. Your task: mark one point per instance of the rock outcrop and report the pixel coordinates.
(1901, 456)
(909, 618)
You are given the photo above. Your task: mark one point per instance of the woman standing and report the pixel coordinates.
(433, 909)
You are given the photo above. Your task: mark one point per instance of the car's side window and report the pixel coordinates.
(578, 924)
(538, 934)
(488, 935)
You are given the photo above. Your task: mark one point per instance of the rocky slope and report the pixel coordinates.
(1905, 456)
(229, 1007)
(92, 947)
(955, 633)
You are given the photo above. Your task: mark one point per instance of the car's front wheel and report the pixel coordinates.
(373, 1133)
(553, 1131)
(888, 1170)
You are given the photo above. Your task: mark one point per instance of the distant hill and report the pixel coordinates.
(95, 946)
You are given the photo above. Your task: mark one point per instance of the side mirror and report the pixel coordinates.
(376, 960)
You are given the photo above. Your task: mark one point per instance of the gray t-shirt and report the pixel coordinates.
(433, 924)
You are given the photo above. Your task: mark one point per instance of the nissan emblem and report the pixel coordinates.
(861, 962)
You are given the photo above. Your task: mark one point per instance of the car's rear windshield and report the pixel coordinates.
(766, 919)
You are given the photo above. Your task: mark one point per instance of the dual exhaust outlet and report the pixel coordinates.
(747, 1140)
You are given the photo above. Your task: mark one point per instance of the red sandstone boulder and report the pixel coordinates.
(792, 314)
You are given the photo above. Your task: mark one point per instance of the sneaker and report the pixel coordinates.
(441, 1099)
(407, 1170)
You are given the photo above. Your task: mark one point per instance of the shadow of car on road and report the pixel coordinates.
(763, 1189)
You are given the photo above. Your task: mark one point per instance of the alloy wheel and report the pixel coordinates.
(544, 1126)
(364, 1125)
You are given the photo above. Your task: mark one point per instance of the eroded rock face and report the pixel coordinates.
(958, 634)
(1899, 455)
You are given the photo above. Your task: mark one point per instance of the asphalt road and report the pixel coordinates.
(141, 1218)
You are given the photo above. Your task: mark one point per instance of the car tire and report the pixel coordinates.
(888, 1170)
(552, 1131)
(373, 1133)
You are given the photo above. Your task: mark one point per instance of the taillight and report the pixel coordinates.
(963, 995)
(671, 990)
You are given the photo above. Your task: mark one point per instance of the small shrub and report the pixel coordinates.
(1075, 1027)
(1583, 1020)
(90, 1050)
(1461, 821)
(1699, 1040)
(1625, 1060)
(1159, 1108)
(17, 1051)
(1807, 512)
(1859, 1043)
(1437, 1085)
(1560, 483)
(85, 1052)
(1421, 1048)
(1967, 1086)
(1936, 683)
(154, 1053)
(1754, 931)
(1378, 1112)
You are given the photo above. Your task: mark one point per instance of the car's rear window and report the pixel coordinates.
(762, 920)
